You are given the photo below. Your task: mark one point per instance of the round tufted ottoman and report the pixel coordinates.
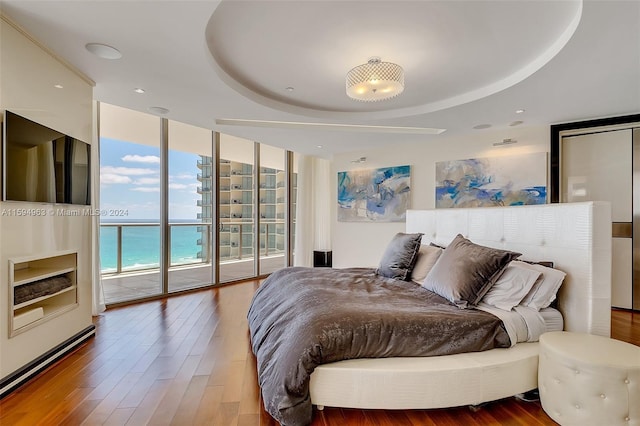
(589, 380)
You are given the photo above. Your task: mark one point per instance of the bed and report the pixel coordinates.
(576, 237)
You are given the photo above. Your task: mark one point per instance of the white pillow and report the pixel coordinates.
(427, 257)
(513, 285)
(544, 290)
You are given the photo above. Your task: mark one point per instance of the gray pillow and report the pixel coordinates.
(400, 256)
(466, 271)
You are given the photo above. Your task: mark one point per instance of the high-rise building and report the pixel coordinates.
(236, 208)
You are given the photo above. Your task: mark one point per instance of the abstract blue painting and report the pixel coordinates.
(496, 181)
(375, 195)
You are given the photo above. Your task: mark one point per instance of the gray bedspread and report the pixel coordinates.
(303, 317)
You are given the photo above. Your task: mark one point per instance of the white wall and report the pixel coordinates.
(362, 244)
(27, 78)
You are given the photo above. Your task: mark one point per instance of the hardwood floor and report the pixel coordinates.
(186, 360)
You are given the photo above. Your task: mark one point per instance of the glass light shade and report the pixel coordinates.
(375, 81)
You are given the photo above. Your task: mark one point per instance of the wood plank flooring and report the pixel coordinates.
(186, 360)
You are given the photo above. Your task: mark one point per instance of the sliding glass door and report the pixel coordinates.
(272, 201)
(129, 204)
(190, 204)
(237, 208)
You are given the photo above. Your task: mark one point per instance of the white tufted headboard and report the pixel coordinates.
(576, 237)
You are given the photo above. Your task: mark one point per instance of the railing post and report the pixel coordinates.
(119, 249)
(208, 251)
(240, 242)
(168, 248)
(266, 239)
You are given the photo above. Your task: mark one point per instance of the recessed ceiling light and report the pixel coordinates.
(516, 123)
(103, 51)
(58, 86)
(319, 146)
(482, 126)
(519, 111)
(289, 89)
(158, 110)
(138, 90)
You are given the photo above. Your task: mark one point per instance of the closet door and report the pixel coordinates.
(599, 167)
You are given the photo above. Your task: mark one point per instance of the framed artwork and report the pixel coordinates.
(496, 181)
(375, 195)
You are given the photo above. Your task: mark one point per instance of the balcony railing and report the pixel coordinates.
(115, 263)
(232, 235)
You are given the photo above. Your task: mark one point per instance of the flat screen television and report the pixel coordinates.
(43, 165)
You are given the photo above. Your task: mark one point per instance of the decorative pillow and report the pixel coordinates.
(427, 257)
(400, 256)
(546, 263)
(512, 286)
(465, 271)
(544, 290)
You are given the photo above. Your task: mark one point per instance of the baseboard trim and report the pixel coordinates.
(19, 377)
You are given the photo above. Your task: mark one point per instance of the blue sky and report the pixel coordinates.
(130, 180)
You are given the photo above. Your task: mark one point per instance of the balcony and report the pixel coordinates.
(125, 278)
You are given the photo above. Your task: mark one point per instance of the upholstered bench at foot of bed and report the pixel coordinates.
(431, 382)
(589, 380)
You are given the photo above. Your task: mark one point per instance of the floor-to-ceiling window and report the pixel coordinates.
(237, 221)
(129, 204)
(190, 202)
(272, 200)
(247, 184)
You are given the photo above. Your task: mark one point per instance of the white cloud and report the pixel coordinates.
(177, 186)
(183, 176)
(150, 159)
(126, 171)
(146, 189)
(147, 181)
(107, 178)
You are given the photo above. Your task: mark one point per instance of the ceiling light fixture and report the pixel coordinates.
(138, 90)
(375, 81)
(519, 111)
(158, 110)
(103, 51)
(58, 86)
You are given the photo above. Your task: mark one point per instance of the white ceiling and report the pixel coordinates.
(466, 63)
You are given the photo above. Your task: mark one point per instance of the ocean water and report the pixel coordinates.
(141, 246)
